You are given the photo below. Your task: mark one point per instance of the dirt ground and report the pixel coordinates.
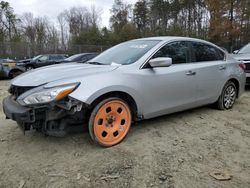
(179, 150)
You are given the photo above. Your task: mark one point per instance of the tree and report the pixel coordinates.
(224, 22)
(62, 21)
(8, 19)
(141, 15)
(120, 15)
(224, 25)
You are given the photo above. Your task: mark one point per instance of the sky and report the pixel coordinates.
(51, 8)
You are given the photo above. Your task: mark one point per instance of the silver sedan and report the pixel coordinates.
(135, 80)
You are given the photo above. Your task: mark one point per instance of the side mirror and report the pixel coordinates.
(160, 62)
(235, 51)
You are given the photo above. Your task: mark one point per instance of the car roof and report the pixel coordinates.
(168, 38)
(51, 54)
(87, 53)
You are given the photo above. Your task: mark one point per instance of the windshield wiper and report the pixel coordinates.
(95, 63)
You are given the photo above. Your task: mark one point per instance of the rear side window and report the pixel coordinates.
(61, 56)
(57, 57)
(178, 51)
(204, 52)
(52, 57)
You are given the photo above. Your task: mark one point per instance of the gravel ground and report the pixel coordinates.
(178, 150)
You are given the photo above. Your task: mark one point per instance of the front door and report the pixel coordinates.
(170, 89)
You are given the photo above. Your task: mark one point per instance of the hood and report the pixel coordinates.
(241, 56)
(52, 73)
(24, 61)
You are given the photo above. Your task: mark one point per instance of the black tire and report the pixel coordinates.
(29, 67)
(227, 97)
(93, 116)
(15, 74)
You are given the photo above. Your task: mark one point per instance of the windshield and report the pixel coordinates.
(125, 53)
(36, 57)
(245, 49)
(73, 57)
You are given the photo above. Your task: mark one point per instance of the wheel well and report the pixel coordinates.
(13, 71)
(124, 96)
(29, 65)
(237, 84)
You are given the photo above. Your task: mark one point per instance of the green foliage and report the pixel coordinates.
(119, 15)
(90, 36)
(224, 22)
(141, 15)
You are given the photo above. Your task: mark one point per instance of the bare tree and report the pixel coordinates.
(64, 29)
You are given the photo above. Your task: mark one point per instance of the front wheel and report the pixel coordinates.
(227, 97)
(15, 74)
(110, 121)
(28, 68)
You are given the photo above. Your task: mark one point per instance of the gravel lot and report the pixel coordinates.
(178, 150)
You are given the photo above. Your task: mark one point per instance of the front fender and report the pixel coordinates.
(18, 68)
(89, 95)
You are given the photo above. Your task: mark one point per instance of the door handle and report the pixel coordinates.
(190, 73)
(222, 67)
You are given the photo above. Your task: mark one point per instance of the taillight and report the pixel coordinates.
(243, 66)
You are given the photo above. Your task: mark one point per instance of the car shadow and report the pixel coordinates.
(80, 129)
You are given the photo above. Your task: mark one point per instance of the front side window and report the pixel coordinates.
(125, 53)
(178, 51)
(43, 58)
(91, 56)
(36, 57)
(205, 52)
(84, 58)
(74, 57)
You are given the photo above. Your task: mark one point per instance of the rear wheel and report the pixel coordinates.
(227, 97)
(110, 121)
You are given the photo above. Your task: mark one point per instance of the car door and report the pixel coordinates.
(58, 59)
(173, 88)
(211, 69)
(42, 61)
(52, 60)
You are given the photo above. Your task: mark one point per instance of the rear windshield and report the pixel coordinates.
(245, 49)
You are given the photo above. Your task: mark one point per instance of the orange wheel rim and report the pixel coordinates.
(112, 122)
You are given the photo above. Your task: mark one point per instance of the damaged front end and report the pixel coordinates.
(51, 118)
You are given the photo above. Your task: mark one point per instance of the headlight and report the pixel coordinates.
(51, 94)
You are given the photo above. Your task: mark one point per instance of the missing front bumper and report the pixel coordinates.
(16, 112)
(50, 119)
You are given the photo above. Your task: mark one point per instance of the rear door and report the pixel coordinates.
(211, 69)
